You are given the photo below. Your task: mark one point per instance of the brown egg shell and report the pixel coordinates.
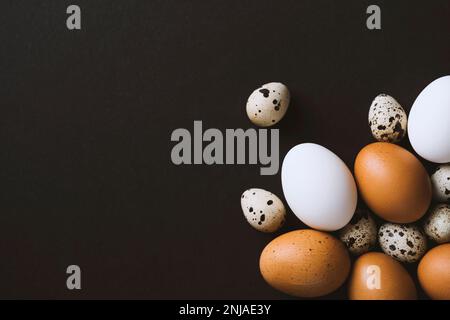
(434, 272)
(393, 182)
(395, 283)
(305, 263)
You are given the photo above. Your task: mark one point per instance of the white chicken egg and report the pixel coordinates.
(263, 210)
(429, 122)
(318, 187)
(268, 104)
(440, 181)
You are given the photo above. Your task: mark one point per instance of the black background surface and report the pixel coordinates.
(86, 118)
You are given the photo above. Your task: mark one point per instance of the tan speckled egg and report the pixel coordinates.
(377, 276)
(440, 181)
(387, 119)
(360, 234)
(404, 242)
(263, 210)
(268, 104)
(305, 263)
(437, 223)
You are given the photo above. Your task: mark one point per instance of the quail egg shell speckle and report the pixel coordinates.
(263, 210)
(267, 105)
(441, 183)
(404, 242)
(387, 119)
(437, 223)
(360, 234)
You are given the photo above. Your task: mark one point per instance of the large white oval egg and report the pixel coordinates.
(429, 122)
(318, 187)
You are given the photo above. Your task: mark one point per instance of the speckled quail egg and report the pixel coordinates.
(360, 234)
(263, 210)
(440, 180)
(437, 223)
(404, 242)
(267, 105)
(387, 119)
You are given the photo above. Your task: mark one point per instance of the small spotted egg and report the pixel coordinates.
(360, 234)
(404, 242)
(387, 119)
(437, 223)
(440, 180)
(263, 210)
(267, 105)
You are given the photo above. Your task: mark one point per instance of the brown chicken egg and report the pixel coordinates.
(305, 263)
(434, 272)
(392, 182)
(377, 276)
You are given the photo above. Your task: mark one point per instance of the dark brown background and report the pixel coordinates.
(86, 118)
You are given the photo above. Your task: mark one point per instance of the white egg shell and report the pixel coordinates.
(318, 187)
(360, 234)
(429, 122)
(263, 210)
(437, 223)
(440, 181)
(387, 119)
(404, 242)
(267, 105)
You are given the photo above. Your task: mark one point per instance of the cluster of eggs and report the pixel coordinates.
(390, 180)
